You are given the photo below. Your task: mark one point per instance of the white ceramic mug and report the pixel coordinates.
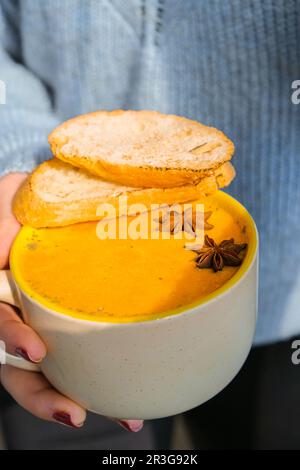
(148, 369)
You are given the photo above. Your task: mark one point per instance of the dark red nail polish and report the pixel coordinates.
(22, 353)
(125, 425)
(64, 418)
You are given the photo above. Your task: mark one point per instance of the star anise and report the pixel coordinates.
(192, 219)
(186, 221)
(214, 256)
(171, 221)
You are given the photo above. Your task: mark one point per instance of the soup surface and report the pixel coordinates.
(74, 272)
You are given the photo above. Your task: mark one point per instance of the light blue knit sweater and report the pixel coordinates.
(229, 64)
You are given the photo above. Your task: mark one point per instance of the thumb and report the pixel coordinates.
(9, 226)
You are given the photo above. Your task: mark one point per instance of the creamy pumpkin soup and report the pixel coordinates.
(73, 272)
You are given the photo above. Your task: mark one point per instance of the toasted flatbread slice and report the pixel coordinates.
(58, 194)
(141, 148)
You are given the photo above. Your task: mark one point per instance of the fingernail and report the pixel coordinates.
(24, 354)
(132, 427)
(64, 418)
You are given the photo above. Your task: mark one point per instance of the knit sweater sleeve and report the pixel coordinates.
(26, 114)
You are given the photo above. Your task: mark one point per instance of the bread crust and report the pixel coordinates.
(165, 171)
(30, 209)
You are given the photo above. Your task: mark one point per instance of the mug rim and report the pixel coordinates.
(188, 309)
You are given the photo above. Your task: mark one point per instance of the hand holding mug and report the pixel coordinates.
(30, 389)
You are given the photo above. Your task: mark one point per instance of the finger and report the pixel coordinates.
(19, 338)
(9, 226)
(8, 187)
(34, 393)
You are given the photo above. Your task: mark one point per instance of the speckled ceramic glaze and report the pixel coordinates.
(148, 369)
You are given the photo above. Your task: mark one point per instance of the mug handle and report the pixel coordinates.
(8, 295)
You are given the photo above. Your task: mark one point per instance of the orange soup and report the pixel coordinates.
(72, 271)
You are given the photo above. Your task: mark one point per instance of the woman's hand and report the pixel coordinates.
(30, 389)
